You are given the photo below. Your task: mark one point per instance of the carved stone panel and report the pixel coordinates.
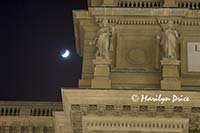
(136, 51)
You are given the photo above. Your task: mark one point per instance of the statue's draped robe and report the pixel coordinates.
(103, 41)
(169, 43)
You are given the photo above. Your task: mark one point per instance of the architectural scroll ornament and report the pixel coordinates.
(168, 42)
(195, 123)
(101, 110)
(76, 117)
(103, 40)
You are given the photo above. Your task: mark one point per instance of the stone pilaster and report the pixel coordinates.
(30, 129)
(41, 129)
(118, 110)
(152, 111)
(101, 110)
(186, 112)
(134, 110)
(170, 3)
(170, 74)
(101, 73)
(169, 111)
(7, 129)
(18, 129)
(108, 3)
(49, 130)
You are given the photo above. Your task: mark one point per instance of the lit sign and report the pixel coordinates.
(193, 51)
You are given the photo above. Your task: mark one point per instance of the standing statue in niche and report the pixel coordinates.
(169, 41)
(103, 41)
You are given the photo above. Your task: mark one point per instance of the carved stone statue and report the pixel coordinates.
(103, 41)
(169, 41)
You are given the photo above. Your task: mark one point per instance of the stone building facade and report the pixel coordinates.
(140, 72)
(141, 68)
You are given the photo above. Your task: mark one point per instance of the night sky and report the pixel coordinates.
(33, 35)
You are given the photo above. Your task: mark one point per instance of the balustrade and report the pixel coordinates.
(192, 4)
(28, 108)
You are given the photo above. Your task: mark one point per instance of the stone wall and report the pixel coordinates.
(137, 50)
(124, 111)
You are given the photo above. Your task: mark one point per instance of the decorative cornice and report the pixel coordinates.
(136, 111)
(148, 21)
(156, 12)
(191, 4)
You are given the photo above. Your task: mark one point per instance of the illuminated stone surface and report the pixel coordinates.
(134, 89)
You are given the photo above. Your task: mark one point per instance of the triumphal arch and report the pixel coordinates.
(141, 68)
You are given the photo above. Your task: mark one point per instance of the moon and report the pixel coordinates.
(66, 54)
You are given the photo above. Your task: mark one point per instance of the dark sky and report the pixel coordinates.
(33, 33)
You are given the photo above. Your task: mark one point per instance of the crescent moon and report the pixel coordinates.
(66, 54)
